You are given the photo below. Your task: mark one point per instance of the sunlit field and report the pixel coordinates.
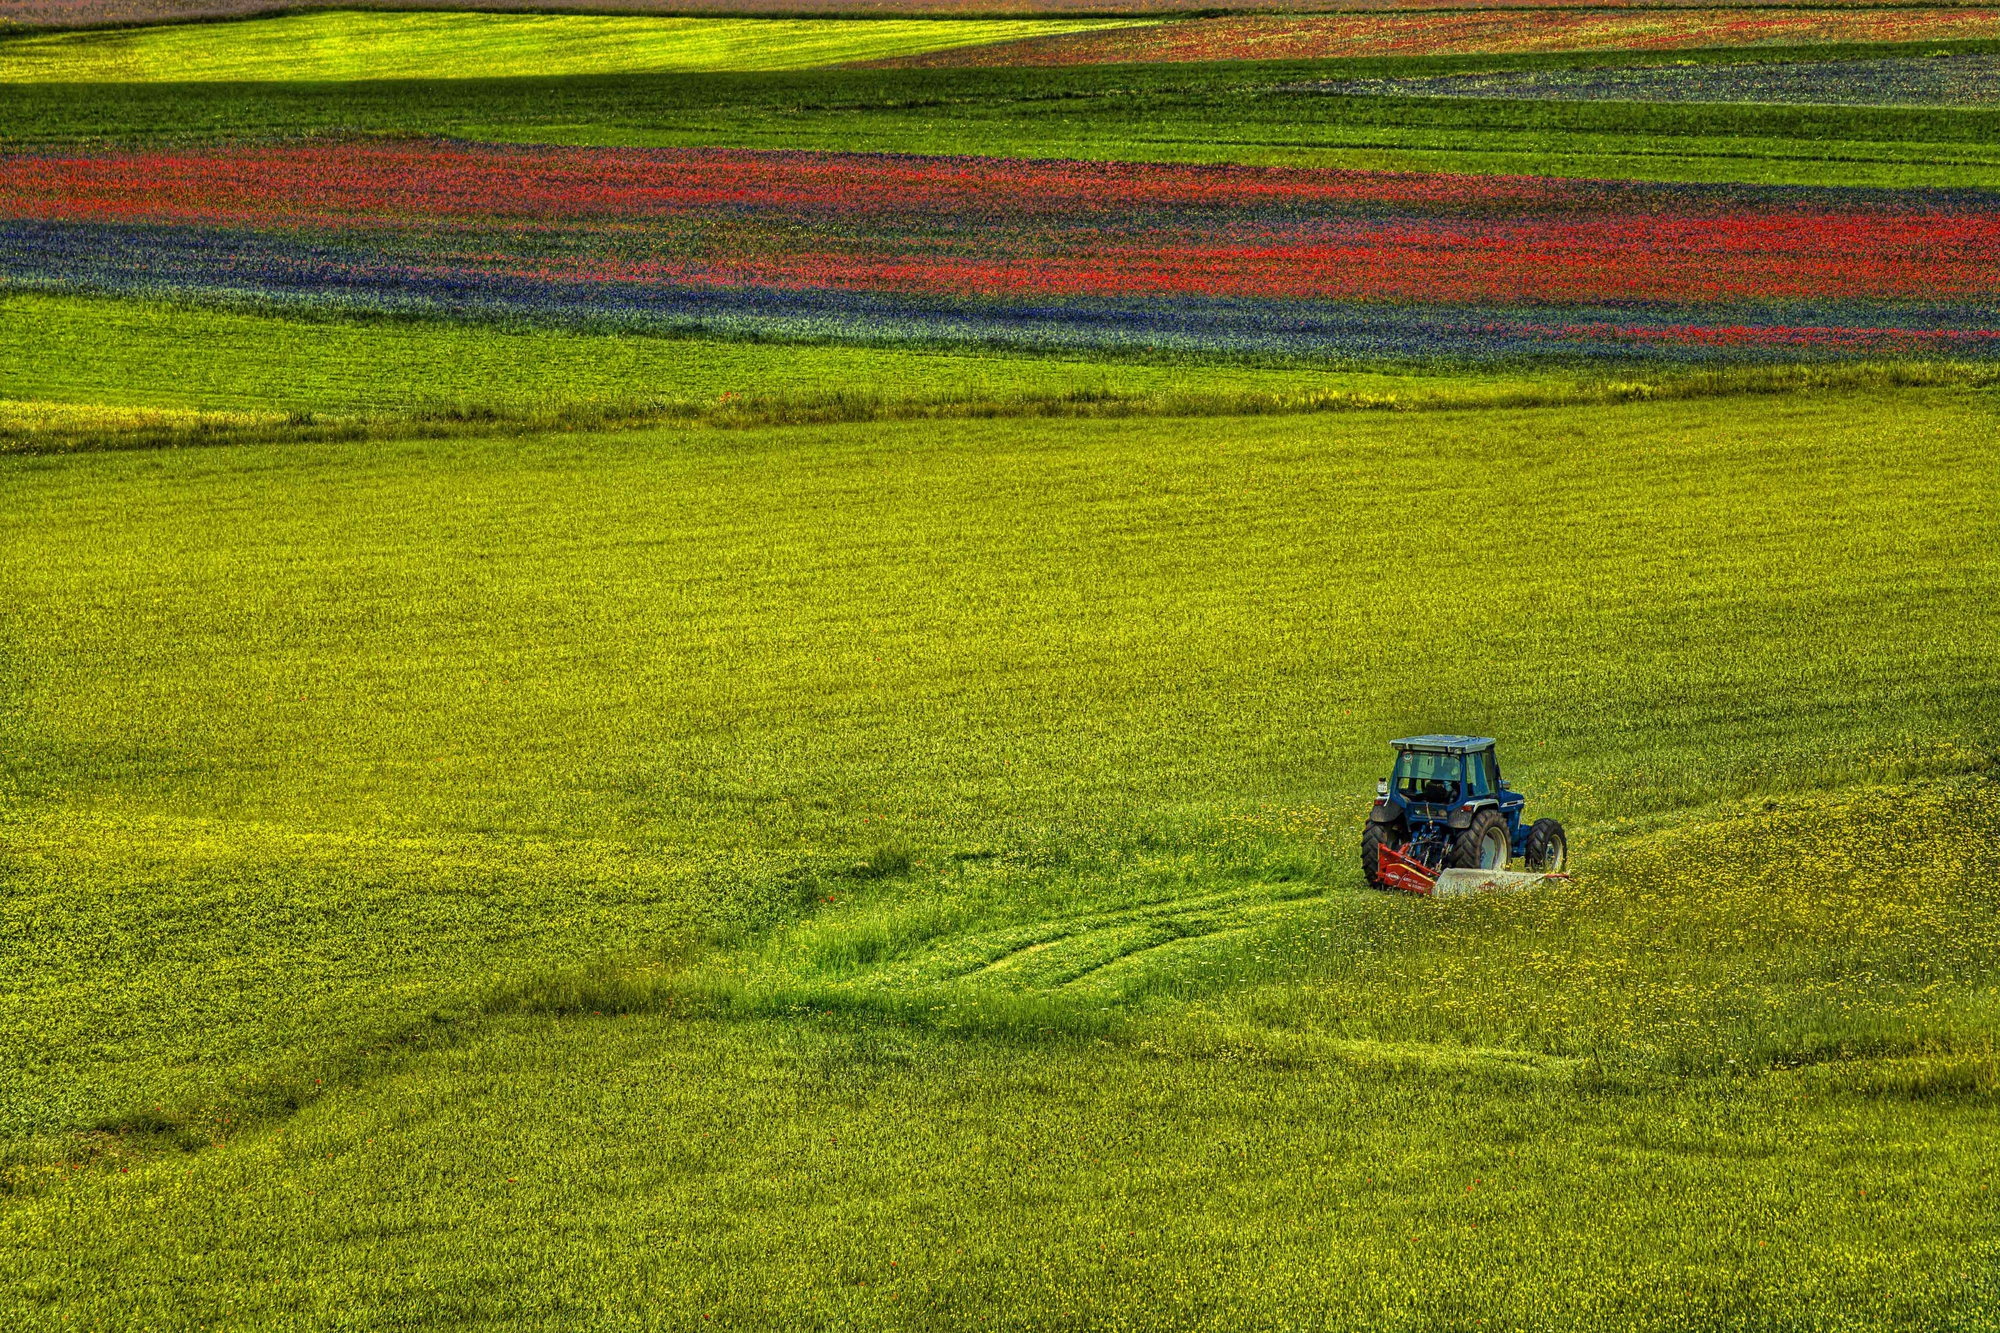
(347, 45)
(852, 750)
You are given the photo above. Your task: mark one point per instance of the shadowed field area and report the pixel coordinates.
(1249, 112)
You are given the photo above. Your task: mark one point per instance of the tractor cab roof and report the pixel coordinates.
(1445, 744)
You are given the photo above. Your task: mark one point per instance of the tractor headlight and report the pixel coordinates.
(1381, 789)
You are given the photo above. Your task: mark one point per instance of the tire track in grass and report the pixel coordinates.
(1099, 955)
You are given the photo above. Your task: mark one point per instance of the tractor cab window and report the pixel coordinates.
(1422, 775)
(1483, 775)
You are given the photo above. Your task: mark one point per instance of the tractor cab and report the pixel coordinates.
(1444, 773)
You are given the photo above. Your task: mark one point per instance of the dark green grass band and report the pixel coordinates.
(1212, 113)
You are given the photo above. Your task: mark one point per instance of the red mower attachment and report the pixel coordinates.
(1398, 871)
(1395, 868)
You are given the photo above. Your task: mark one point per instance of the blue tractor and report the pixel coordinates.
(1446, 807)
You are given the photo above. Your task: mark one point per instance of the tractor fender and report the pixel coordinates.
(1388, 812)
(1462, 818)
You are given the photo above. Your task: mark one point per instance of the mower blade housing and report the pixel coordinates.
(1400, 871)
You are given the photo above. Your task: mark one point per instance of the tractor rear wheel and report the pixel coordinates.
(1548, 847)
(1373, 838)
(1483, 845)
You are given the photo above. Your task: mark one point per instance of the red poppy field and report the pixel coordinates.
(1427, 265)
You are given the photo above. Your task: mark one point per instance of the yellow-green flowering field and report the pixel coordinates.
(903, 874)
(372, 44)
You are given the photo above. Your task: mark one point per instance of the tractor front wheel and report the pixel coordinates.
(1373, 839)
(1483, 845)
(1548, 847)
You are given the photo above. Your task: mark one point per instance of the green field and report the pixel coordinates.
(80, 372)
(380, 758)
(119, 353)
(1245, 112)
(345, 45)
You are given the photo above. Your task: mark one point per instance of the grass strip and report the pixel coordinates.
(57, 428)
(1254, 113)
(88, 373)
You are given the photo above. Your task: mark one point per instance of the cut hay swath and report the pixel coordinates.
(1299, 262)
